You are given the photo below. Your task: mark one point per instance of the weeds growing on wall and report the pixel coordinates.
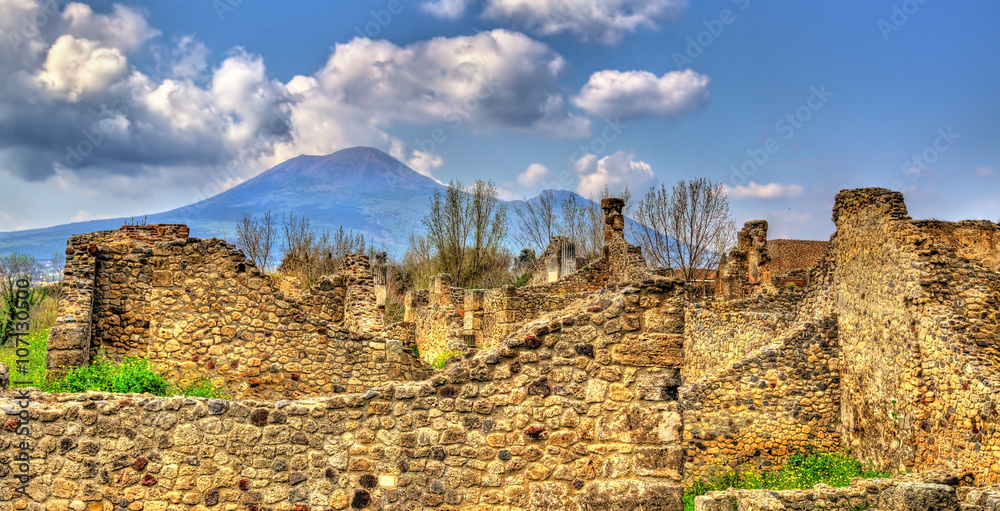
(199, 387)
(442, 359)
(804, 469)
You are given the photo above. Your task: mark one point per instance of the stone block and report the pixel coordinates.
(632, 495)
(660, 462)
(918, 497)
(69, 337)
(162, 278)
(650, 350)
(66, 358)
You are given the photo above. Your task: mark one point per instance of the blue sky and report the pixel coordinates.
(803, 98)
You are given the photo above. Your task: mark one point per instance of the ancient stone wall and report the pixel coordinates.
(576, 411)
(918, 323)
(759, 265)
(716, 334)
(767, 405)
(440, 324)
(199, 308)
(106, 303)
(219, 317)
(69, 339)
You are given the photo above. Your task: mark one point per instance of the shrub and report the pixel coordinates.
(132, 375)
(522, 280)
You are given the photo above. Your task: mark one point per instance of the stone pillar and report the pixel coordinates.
(440, 289)
(69, 340)
(473, 327)
(380, 273)
(614, 221)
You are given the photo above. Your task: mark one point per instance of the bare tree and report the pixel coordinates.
(448, 228)
(538, 222)
(58, 265)
(489, 228)
(14, 298)
(688, 227)
(256, 237)
(308, 256)
(459, 217)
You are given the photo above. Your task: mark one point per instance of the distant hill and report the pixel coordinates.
(362, 189)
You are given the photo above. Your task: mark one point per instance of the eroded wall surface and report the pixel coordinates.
(918, 322)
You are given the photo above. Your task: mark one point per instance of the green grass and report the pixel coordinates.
(132, 375)
(36, 359)
(804, 469)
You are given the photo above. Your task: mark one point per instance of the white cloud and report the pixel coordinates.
(83, 216)
(632, 94)
(447, 9)
(606, 21)
(615, 171)
(125, 28)
(424, 162)
(507, 195)
(533, 175)
(753, 190)
(190, 58)
(75, 68)
(491, 79)
(983, 171)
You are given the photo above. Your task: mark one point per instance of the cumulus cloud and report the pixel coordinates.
(753, 190)
(606, 21)
(491, 79)
(533, 175)
(632, 94)
(75, 68)
(447, 9)
(79, 111)
(125, 28)
(616, 171)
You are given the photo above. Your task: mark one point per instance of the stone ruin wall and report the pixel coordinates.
(919, 329)
(557, 261)
(759, 265)
(910, 312)
(718, 334)
(446, 318)
(891, 351)
(206, 311)
(577, 411)
(766, 405)
(910, 492)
